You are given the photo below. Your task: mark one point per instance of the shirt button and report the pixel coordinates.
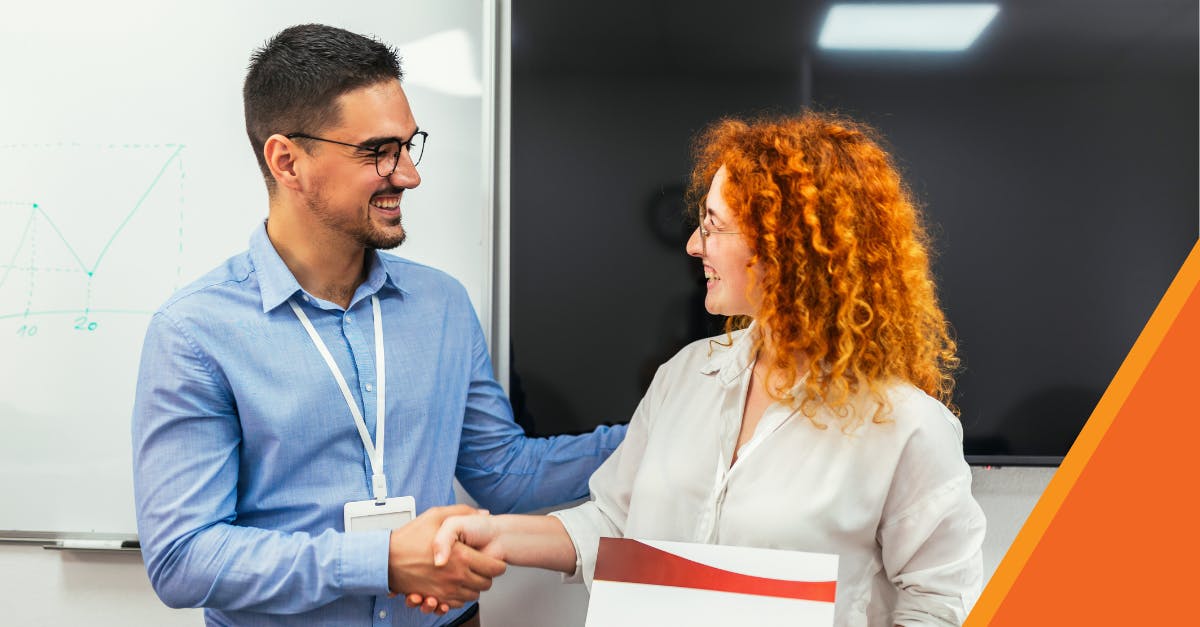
(349, 318)
(306, 298)
(369, 387)
(382, 613)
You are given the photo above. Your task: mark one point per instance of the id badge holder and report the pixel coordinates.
(392, 513)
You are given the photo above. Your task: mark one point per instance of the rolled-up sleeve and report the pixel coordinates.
(186, 443)
(932, 532)
(611, 488)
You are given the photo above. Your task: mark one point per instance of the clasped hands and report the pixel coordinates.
(444, 558)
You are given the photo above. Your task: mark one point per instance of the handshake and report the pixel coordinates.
(444, 558)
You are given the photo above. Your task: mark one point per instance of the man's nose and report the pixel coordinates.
(405, 175)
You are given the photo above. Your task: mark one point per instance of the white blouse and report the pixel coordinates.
(892, 500)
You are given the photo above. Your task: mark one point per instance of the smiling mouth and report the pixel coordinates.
(387, 203)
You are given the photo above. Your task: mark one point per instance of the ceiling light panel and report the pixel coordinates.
(915, 27)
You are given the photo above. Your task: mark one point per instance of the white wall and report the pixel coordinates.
(1007, 495)
(52, 588)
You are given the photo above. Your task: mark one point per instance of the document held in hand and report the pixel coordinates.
(651, 582)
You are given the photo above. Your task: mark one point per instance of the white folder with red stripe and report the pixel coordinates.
(651, 582)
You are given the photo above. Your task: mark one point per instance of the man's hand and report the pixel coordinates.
(476, 530)
(462, 574)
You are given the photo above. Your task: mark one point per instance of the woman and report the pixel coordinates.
(820, 425)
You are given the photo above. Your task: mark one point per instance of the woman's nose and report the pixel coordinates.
(695, 247)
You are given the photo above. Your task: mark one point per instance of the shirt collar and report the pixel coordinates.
(277, 283)
(728, 363)
(380, 275)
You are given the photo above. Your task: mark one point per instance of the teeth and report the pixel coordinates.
(391, 203)
(711, 277)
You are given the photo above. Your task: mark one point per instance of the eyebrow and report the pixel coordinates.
(383, 139)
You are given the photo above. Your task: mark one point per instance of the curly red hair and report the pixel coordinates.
(841, 255)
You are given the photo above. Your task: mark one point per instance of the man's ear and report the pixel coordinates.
(283, 159)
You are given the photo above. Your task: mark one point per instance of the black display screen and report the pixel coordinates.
(1057, 169)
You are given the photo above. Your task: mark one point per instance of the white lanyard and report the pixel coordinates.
(375, 452)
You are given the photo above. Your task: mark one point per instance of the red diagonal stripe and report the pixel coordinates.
(631, 561)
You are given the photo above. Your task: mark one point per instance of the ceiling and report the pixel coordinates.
(710, 37)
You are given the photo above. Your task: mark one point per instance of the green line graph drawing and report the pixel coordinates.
(47, 269)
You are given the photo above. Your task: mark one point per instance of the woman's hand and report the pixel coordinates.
(517, 540)
(477, 531)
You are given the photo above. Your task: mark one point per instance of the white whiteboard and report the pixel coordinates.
(125, 173)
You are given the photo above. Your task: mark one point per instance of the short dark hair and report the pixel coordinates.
(296, 77)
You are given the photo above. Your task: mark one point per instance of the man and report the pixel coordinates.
(311, 377)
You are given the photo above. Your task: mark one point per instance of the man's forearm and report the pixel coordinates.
(242, 568)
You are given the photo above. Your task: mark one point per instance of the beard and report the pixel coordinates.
(361, 229)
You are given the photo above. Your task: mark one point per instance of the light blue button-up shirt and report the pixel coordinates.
(245, 452)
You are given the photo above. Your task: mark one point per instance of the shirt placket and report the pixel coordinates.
(364, 368)
(354, 331)
(732, 406)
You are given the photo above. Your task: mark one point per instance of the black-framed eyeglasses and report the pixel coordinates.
(387, 154)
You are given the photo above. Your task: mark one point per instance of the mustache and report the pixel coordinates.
(390, 191)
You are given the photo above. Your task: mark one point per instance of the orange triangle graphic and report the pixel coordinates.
(1112, 540)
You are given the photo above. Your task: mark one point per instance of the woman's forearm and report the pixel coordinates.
(520, 540)
(538, 541)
